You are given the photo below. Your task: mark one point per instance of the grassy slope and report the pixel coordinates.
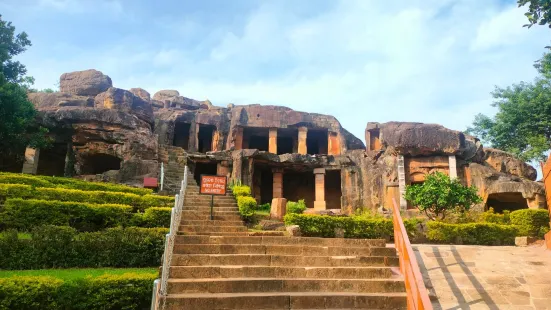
(73, 274)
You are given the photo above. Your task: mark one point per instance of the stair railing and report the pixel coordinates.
(160, 289)
(417, 295)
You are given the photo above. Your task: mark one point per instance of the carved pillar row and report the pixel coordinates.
(319, 203)
(279, 203)
(302, 135)
(272, 140)
(30, 165)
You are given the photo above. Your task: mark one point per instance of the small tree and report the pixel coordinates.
(440, 194)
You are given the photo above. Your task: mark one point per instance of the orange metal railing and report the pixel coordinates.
(417, 295)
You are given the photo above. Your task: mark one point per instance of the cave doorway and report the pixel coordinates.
(51, 161)
(204, 136)
(506, 201)
(299, 185)
(99, 163)
(204, 168)
(287, 141)
(263, 184)
(181, 135)
(333, 191)
(256, 138)
(316, 141)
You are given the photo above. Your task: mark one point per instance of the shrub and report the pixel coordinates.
(127, 291)
(247, 206)
(63, 247)
(101, 197)
(48, 181)
(439, 195)
(27, 214)
(152, 217)
(296, 207)
(265, 207)
(354, 226)
(241, 191)
(472, 233)
(531, 222)
(491, 217)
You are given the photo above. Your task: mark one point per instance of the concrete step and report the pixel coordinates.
(203, 216)
(207, 212)
(281, 250)
(207, 209)
(287, 300)
(355, 272)
(270, 240)
(216, 234)
(209, 222)
(211, 228)
(282, 260)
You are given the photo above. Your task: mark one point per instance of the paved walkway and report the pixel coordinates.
(483, 277)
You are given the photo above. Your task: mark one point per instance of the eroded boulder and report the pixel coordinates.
(508, 163)
(48, 101)
(142, 93)
(125, 101)
(165, 94)
(84, 83)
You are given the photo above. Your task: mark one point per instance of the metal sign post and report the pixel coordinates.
(213, 185)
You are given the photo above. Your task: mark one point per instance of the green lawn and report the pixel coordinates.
(73, 274)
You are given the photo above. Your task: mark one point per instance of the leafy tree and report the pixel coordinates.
(539, 12)
(18, 128)
(439, 194)
(522, 124)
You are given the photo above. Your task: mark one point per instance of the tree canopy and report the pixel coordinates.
(522, 124)
(439, 194)
(539, 12)
(18, 128)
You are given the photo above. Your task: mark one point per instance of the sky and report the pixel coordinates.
(432, 61)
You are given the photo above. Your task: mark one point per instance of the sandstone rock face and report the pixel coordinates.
(84, 83)
(508, 163)
(142, 93)
(166, 94)
(125, 101)
(45, 101)
(422, 139)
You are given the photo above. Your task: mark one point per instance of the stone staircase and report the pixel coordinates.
(174, 160)
(216, 265)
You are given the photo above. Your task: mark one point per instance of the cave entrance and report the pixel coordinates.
(316, 141)
(181, 135)
(207, 168)
(333, 191)
(506, 201)
(287, 141)
(99, 163)
(263, 184)
(299, 185)
(256, 138)
(51, 161)
(205, 135)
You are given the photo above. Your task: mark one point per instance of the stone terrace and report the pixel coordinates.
(486, 277)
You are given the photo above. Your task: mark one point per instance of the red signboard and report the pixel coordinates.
(213, 185)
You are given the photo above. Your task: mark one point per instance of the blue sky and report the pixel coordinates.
(432, 61)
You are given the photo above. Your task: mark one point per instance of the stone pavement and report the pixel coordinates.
(486, 277)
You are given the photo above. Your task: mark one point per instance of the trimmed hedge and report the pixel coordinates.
(47, 181)
(472, 233)
(101, 197)
(531, 222)
(63, 247)
(152, 217)
(297, 207)
(247, 206)
(127, 291)
(26, 214)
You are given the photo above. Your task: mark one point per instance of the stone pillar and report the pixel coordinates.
(333, 144)
(223, 168)
(319, 203)
(69, 170)
(279, 203)
(402, 182)
(272, 147)
(30, 165)
(238, 144)
(453, 167)
(193, 143)
(302, 135)
(215, 140)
